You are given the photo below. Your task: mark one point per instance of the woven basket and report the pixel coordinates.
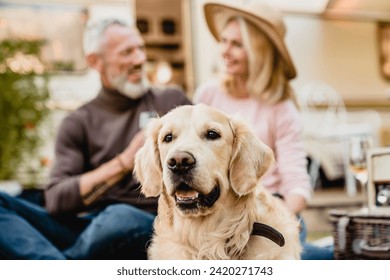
(360, 235)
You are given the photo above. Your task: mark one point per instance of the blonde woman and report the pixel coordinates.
(255, 85)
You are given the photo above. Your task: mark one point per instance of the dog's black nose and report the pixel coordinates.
(181, 161)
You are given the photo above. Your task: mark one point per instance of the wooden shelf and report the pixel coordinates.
(367, 103)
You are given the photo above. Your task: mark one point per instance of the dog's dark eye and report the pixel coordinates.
(168, 138)
(212, 135)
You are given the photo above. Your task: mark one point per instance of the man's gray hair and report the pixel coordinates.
(93, 33)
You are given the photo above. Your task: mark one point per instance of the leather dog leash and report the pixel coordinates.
(268, 232)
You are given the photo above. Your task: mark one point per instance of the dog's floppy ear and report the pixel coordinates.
(147, 169)
(250, 158)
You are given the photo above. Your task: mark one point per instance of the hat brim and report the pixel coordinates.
(212, 9)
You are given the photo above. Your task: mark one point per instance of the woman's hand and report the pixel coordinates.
(295, 202)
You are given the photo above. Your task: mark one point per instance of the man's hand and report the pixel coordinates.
(94, 183)
(128, 155)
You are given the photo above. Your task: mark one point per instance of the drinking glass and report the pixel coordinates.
(145, 117)
(358, 147)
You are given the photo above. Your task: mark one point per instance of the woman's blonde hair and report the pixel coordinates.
(266, 79)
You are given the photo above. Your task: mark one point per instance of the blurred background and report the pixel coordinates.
(341, 49)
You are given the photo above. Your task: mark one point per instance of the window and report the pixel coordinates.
(59, 26)
(384, 48)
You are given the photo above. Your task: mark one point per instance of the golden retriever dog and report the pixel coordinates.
(206, 167)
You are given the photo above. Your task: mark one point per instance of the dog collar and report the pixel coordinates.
(268, 232)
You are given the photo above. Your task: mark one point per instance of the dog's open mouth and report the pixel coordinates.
(188, 198)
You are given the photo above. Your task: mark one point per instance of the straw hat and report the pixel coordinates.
(267, 18)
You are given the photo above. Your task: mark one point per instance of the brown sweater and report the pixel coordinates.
(94, 134)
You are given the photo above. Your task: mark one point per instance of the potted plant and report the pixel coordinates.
(23, 95)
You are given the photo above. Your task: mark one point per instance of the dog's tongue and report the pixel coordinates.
(187, 194)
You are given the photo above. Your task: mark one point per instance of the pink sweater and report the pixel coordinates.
(279, 126)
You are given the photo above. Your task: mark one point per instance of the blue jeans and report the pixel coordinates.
(28, 231)
(312, 252)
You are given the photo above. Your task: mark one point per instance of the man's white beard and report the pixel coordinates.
(131, 90)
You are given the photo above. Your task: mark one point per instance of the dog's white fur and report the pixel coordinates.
(235, 162)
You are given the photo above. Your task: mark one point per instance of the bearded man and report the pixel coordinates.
(93, 207)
